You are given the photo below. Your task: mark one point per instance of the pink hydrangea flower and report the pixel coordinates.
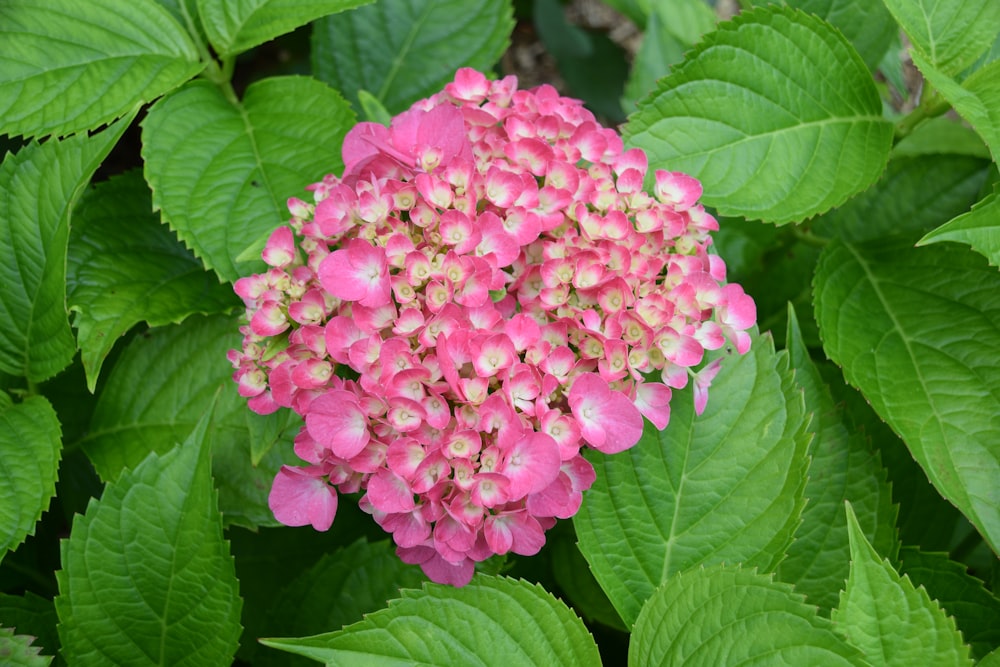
(502, 292)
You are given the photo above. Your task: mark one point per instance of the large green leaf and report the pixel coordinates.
(222, 171)
(951, 34)
(491, 621)
(68, 65)
(233, 26)
(125, 268)
(30, 449)
(357, 580)
(868, 25)
(723, 487)
(979, 228)
(403, 50)
(154, 397)
(888, 618)
(976, 99)
(843, 467)
(147, 577)
(729, 616)
(38, 186)
(918, 332)
(774, 112)
(976, 610)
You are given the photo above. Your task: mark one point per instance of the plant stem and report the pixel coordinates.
(931, 106)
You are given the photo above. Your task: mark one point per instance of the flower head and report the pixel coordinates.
(502, 292)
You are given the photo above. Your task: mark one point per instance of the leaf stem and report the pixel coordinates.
(806, 236)
(931, 105)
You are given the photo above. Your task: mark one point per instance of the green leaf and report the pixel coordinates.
(889, 619)
(913, 196)
(991, 660)
(774, 112)
(373, 110)
(155, 395)
(38, 186)
(151, 552)
(723, 487)
(868, 25)
(31, 615)
(30, 449)
(17, 650)
(222, 171)
(357, 580)
(574, 577)
(950, 34)
(266, 431)
(979, 228)
(235, 26)
(975, 609)
(843, 467)
(976, 99)
(125, 268)
(68, 66)
(918, 332)
(730, 616)
(404, 50)
(491, 621)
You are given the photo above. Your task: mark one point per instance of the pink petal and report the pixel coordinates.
(336, 421)
(388, 493)
(653, 401)
(608, 420)
(531, 464)
(299, 498)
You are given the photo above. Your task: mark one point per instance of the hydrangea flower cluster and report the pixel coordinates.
(484, 291)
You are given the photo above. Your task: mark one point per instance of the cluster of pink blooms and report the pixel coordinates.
(496, 290)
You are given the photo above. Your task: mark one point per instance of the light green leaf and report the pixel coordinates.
(222, 171)
(976, 99)
(889, 619)
(68, 66)
(729, 616)
(30, 449)
(491, 621)
(357, 580)
(154, 397)
(233, 26)
(151, 552)
(672, 28)
(125, 268)
(991, 660)
(843, 467)
(951, 34)
(17, 650)
(868, 25)
(403, 50)
(975, 609)
(774, 112)
(918, 332)
(913, 196)
(723, 487)
(38, 186)
(979, 228)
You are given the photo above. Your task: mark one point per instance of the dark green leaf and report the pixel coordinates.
(918, 332)
(892, 621)
(125, 268)
(491, 621)
(31, 615)
(38, 186)
(723, 487)
(774, 112)
(30, 449)
(151, 552)
(729, 616)
(68, 66)
(233, 26)
(403, 50)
